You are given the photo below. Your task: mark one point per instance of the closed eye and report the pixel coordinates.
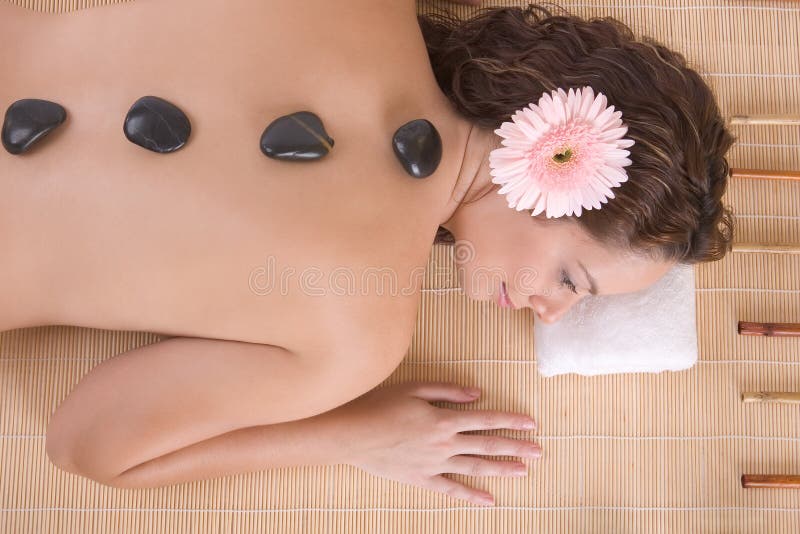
(565, 281)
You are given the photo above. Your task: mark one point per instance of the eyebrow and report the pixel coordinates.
(592, 283)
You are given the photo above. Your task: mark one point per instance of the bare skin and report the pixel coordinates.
(99, 232)
(148, 230)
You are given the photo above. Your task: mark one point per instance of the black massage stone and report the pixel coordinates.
(157, 125)
(298, 137)
(418, 147)
(29, 120)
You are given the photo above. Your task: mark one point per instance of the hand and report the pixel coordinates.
(393, 432)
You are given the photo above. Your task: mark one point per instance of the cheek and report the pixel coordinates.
(488, 252)
(534, 272)
(528, 280)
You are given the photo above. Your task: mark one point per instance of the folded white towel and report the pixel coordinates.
(650, 331)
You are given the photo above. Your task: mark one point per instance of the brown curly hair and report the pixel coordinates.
(501, 59)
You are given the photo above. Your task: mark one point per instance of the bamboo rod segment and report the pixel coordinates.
(788, 397)
(761, 174)
(771, 120)
(765, 248)
(748, 328)
(771, 481)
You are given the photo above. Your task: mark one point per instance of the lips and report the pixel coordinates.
(503, 301)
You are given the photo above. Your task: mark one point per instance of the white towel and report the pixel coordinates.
(649, 331)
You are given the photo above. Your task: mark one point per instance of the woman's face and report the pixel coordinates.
(545, 264)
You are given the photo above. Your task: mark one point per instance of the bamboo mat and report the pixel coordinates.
(624, 453)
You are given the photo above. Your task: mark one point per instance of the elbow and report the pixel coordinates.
(63, 457)
(68, 455)
(58, 448)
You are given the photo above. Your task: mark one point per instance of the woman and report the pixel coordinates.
(243, 259)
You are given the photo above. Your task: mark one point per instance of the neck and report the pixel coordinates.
(473, 179)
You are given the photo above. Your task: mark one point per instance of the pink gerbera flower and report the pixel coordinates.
(563, 155)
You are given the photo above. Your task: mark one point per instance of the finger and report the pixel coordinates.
(481, 467)
(495, 446)
(457, 490)
(488, 420)
(441, 391)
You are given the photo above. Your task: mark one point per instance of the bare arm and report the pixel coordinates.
(317, 440)
(391, 432)
(163, 397)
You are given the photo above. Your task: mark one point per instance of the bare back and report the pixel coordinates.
(105, 234)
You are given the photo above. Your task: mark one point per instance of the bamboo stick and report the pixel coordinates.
(789, 397)
(747, 328)
(773, 120)
(771, 481)
(765, 248)
(760, 174)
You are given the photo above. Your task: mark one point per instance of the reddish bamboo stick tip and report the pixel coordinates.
(746, 328)
(771, 481)
(787, 397)
(762, 174)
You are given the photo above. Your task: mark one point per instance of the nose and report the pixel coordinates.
(548, 318)
(550, 311)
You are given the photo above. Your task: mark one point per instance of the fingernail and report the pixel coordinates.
(486, 500)
(529, 425)
(472, 392)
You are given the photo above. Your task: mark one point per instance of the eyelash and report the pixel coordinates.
(565, 281)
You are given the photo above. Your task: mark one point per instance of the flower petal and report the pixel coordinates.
(578, 119)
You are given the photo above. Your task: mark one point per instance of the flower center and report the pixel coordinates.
(563, 156)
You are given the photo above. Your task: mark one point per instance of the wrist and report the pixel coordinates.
(333, 437)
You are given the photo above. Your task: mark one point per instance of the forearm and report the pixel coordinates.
(162, 398)
(318, 440)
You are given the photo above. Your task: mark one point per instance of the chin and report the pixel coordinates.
(468, 291)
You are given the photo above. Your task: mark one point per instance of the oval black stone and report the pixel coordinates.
(299, 136)
(418, 147)
(28, 121)
(157, 125)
